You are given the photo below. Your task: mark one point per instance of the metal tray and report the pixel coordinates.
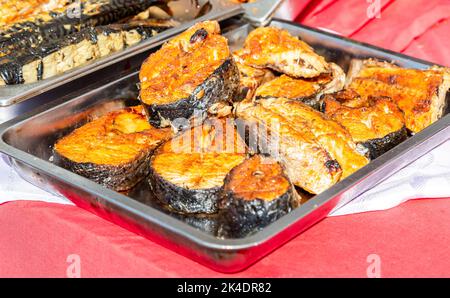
(28, 142)
(18, 99)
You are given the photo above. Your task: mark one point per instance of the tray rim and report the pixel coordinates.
(186, 231)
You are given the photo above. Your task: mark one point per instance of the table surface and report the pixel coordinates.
(40, 239)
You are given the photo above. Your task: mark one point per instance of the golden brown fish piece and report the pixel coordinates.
(376, 127)
(331, 136)
(256, 193)
(113, 150)
(307, 91)
(191, 72)
(308, 165)
(277, 49)
(188, 171)
(420, 94)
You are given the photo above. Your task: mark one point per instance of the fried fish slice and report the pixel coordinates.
(256, 193)
(113, 150)
(307, 91)
(420, 94)
(376, 127)
(191, 72)
(331, 136)
(270, 47)
(188, 171)
(308, 165)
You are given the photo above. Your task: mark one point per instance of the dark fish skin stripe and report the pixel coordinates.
(377, 147)
(238, 218)
(184, 200)
(40, 70)
(119, 178)
(11, 71)
(11, 65)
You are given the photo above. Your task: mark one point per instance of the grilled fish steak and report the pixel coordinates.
(270, 47)
(113, 150)
(315, 150)
(308, 91)
(328, 133)
(308, 165)
(187, 172)
(420, 94)
(52, 58)
(255, 194)
(191, 72)
(376, 127)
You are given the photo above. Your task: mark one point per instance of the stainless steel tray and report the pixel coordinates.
(17, 99)
(28, 142)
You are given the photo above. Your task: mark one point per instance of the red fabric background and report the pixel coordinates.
(411, 240)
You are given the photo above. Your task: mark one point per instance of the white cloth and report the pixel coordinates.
(14, 188)
(427, 177)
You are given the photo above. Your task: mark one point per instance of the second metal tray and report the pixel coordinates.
(28, 141)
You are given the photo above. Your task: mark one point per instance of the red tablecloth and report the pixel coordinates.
(36, 239)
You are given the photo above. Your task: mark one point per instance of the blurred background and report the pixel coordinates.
(418, 28)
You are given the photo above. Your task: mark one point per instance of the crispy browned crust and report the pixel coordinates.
(331, 136)
(307, 91)
(255, 194)
(420, 94)
(187, 172)
(270, 47)
(191, 72)
(113, 150)
(377, 126)
(257, 177)
(13, 11)
(287, 138)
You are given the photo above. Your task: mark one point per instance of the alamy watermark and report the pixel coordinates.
(374, 9)
(74, 268)
(374, 268)
(228, 135)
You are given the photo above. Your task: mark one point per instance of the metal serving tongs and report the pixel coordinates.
(260, 12)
